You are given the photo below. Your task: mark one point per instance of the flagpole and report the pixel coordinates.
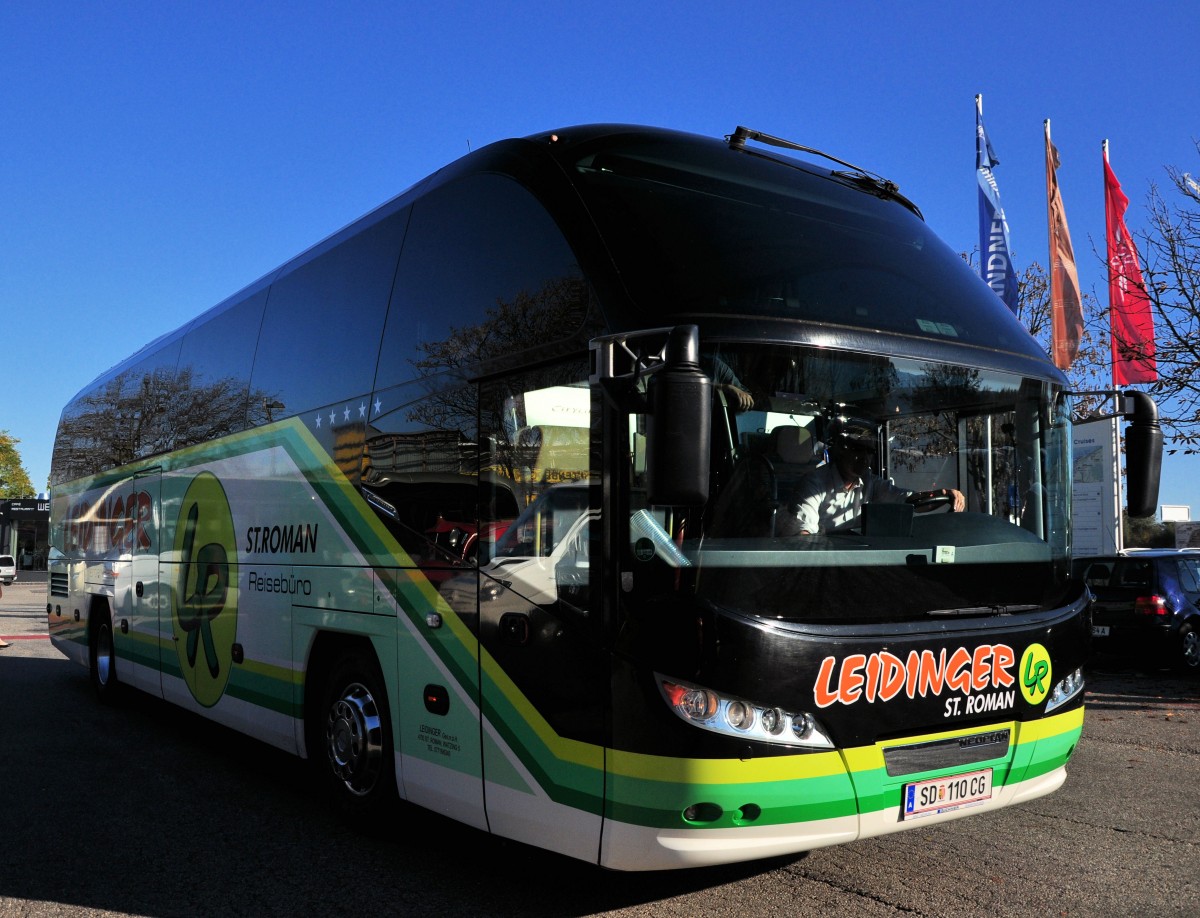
(1053, 283)
(1115, 433)
(1112, 354)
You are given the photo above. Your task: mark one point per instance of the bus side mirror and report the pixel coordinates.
(679, 424)
(1143, 453)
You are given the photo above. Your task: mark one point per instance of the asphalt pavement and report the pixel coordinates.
(140, 809)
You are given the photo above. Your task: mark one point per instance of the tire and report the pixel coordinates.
(350, 736)
(1188, 658)
(102, 657)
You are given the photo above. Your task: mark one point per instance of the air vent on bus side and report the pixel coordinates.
(58, 583)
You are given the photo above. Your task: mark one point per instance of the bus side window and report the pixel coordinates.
(343, 290)
(471, 288)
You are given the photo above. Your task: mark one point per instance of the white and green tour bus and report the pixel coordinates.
(490, 501)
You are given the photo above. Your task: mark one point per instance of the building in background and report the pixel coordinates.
(25, 531)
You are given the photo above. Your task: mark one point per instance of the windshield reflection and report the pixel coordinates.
(863, 488)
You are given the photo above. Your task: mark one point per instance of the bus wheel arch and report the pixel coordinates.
(347, 722)
(102, 653)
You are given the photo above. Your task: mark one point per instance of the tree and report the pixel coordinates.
(14, 480)
(1147, 532)
(1089, 372)
(1170, 252)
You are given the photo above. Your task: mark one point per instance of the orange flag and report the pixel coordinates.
(1066, 308)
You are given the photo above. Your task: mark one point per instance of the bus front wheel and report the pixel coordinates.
(350, 734)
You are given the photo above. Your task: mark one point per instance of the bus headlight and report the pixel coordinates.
(1065, 690)
(743, 719)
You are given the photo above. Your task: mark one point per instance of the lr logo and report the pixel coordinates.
(205, 620)
(1035, 673)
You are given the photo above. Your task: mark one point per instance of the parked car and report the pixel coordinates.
(8, 568)
(1147, 601)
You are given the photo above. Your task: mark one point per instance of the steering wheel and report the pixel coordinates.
(924, 501)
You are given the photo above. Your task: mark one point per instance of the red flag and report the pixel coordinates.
(1066, 309)
(1133, 359)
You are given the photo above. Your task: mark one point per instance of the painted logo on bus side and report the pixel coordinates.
(205, 619)
(116, 523)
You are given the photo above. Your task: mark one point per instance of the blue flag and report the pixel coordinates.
(995, 257)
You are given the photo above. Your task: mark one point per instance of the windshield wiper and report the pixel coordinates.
(982, 610)
(857, 175)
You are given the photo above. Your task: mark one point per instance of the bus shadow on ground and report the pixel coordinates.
(1119, 683)
(144, 809)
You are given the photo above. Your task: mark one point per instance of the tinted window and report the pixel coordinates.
(1135, 573)
(420, 473)
(324, 316)
(122, 417)
(1097, 574)
(214, 374)
(485, 276)
(151, 389)
(700, 228)
(1189, 574)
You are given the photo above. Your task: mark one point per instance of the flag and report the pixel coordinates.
(995, 262)
(1066, 308)
(1133, 359)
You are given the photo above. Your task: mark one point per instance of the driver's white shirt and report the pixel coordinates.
(826, 504)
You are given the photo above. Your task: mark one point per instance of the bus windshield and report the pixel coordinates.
(699, 231)
(835, 489)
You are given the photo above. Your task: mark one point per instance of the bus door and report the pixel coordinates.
(141, 537)
(544, 674)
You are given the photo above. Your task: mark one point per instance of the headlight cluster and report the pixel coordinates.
(1065, 690)
(719, 713)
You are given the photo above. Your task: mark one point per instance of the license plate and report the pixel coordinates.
(941, 795)
(1099, 630)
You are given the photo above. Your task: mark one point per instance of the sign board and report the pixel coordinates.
(1096, 489)
(1176, 513)
(1187, 535)
(29, 509)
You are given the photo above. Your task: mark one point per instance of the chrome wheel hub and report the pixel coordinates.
(354, 739)
(104, 654)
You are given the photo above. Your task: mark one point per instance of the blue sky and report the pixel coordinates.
(158, 156)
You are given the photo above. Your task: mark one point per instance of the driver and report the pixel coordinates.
(830, 498)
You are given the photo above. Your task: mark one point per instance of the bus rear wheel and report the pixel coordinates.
(351, 735)
(102, 656)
